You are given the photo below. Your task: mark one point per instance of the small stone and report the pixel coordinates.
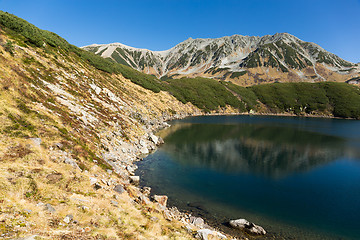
(146, 191)
(84, 208)
(97, 186)
(27, 211)
(87, 229)
(115, 203)
(68, 218)
(49, 208)
(119, 189)
(109, 171)
(154, 219)
(59, 145)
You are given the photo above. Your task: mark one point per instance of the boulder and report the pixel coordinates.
(93, 180)
(146, 191)
(49, 208)
(204, 233)
(36, 141)
(154, 139)
(161, 141)
(247, 226)
(144, 150)
(161, 199)
(71, 162)
(135, 180)
(144, 200)
(131, 169)
(119, 189)
(54, 177)
(197, 221)
(142, 143)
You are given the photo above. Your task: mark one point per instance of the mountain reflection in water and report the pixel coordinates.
(296, 177)
(264, 150)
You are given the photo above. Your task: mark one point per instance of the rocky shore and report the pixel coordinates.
(197, 226)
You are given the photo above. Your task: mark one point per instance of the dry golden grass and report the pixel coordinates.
(32, 176)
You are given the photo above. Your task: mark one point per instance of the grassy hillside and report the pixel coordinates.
(70, 134)
(27, 34)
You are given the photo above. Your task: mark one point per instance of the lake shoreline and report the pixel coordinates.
(222, 225)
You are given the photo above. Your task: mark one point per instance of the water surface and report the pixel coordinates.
(297, 177)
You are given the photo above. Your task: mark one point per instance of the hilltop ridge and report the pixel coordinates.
(244, 60)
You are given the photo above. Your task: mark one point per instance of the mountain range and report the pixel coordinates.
(244, 60)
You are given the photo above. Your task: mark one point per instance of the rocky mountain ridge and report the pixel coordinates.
(244, 60)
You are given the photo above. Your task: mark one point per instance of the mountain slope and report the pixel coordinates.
(70, 134)
(242, 59)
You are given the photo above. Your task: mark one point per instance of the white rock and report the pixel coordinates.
(247, 226)
(71, 162)
(197, 221)
(93, 180)
(36, 141)
(144, 150)
(204, 233)
(68, 219)
(154, 139)
(135, 179)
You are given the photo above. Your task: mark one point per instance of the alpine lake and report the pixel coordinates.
(297, 177)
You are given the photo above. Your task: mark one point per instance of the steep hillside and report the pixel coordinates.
(243, 60)
(69, 136)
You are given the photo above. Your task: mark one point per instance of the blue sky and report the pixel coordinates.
(161, 24)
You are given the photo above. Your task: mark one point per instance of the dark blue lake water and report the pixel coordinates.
(299, 178)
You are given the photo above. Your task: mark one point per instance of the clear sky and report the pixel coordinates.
(161, 24)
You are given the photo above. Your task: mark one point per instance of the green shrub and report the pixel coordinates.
(237, 74)
(246, 95)
(207, 94)
(9, 47)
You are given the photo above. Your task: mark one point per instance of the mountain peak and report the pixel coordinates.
(279, 57)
